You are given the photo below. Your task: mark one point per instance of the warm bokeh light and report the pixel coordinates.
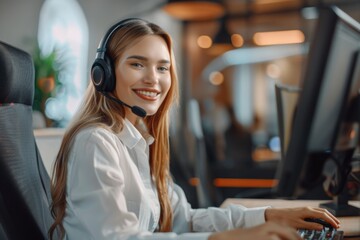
(263, 6)
(204, 41)
(194, 10)
(216, 78)
(219, 48)
(352, 134)
(265, 2)
(237, 40)
(273, 71)
(278, 37)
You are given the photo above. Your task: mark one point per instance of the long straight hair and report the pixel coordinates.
(97, 110)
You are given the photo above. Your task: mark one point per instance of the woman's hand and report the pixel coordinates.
(295, 217)
(266, 231)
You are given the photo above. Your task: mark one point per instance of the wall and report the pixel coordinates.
(19, 20)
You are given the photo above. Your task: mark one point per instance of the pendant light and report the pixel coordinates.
(222, 40)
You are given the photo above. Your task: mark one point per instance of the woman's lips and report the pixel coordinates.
(147, 94)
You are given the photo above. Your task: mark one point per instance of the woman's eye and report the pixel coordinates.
(163, 69)
(138, 65)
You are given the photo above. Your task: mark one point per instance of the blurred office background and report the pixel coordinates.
(230, 54)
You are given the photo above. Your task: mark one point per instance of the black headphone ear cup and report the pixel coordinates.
(102, 75)
(102, 70)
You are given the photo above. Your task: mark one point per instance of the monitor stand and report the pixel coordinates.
(340, 207)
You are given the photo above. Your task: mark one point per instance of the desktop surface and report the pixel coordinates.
(350, 225)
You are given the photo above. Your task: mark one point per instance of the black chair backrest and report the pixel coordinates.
(24, 182)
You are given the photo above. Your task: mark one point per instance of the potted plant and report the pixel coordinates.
(46, 81)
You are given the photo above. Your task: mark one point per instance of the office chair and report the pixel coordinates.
(24, 182)
(206, 192)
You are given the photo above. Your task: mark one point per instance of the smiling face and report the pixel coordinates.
(143, 75)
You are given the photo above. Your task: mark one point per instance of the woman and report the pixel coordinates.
(111, 177)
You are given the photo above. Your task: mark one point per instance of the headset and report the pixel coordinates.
(102, 70)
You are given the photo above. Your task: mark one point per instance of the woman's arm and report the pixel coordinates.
(212, 219)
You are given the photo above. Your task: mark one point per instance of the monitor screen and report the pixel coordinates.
(325, 128)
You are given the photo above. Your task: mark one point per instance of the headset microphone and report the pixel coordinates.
(135, 109)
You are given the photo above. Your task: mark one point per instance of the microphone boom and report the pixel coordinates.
(135, 109)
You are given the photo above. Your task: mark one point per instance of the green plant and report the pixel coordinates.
(46, 80)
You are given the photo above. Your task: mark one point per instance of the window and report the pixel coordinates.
(63, 29)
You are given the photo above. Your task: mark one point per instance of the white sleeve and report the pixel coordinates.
(212, 219)
(96, 205)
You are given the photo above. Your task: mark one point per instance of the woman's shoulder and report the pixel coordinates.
(95, 133)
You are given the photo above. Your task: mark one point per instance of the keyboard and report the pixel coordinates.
(325, 234)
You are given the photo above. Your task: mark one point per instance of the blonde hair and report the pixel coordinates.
(98, 110)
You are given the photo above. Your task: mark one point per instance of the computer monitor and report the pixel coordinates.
(325, 128)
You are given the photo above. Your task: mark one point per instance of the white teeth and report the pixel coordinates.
(147, 93)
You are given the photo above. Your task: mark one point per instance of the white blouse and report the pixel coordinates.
(111, 195)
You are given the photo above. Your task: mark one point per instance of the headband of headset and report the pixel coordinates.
(102, 70)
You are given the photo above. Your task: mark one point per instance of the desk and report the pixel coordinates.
(350, 225)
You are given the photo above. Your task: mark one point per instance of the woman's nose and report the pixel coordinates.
(152, 76)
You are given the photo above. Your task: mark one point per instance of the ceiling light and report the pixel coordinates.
(222, 40)
(204, 41)
(237, 40)
(278, 37)
(216, 78)
(190, 10)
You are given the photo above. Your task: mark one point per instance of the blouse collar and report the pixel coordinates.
(131, 135)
